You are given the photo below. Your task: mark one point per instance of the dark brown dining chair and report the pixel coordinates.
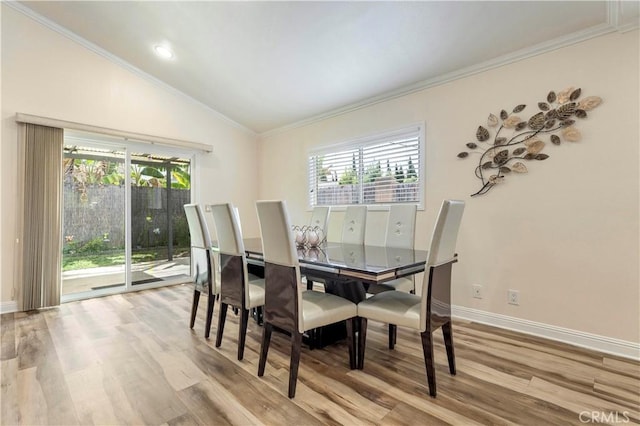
(287, 307)
(236, 288)
(432, 308)
(204, 272)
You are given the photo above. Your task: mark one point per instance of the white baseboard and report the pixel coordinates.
(595, 342)
(7, 307)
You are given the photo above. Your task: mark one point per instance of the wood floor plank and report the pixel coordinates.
(577, 401)
(32, 403)
(212, 404)
(406, 415)
(92, 402)
(627, 367)
(9, 400)
(39, 371)
(132, 359)
(7, 337)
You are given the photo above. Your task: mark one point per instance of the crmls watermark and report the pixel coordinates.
(611, 417)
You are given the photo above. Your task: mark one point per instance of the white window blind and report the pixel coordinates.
(380, 169)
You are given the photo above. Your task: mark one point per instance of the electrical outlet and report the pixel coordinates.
(513, 297)
(476, 290)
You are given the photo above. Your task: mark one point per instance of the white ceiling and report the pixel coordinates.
(267, 65)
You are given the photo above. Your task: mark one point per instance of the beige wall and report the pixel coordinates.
(565, 235)
(46, 74)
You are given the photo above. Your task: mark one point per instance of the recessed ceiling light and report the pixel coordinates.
(163, 51)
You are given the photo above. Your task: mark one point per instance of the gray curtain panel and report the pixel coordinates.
(42, 216)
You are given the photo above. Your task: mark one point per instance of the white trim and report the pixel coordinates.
(615, 16)
(127, 136)
(591, 341)
(8, 307)
(118, 61)
(408, 131)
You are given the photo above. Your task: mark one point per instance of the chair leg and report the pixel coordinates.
(194, 307)
(256, 314)
(210, 303)
(447, 332)
(393, 331)
(222, 317)
(427, 349)
(362, 340)
(309, 284)
(242, 332)
(296, 344)
(260, 315)
(264, 347)
(351, 342)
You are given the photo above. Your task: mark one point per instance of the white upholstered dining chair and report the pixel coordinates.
(236, 288)
(320, 218)
(432, 308)
(287, 307)
(400, 233)
(354, 225)
(205, 275)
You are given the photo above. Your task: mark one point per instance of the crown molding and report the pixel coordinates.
(612, 24)
(615, 16)
(120, 62)
(538, 49)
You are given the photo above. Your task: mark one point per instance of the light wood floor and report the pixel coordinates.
(132, 359)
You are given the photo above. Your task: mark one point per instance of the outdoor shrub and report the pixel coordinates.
(95, 245)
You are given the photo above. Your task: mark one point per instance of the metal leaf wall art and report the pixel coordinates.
(508, 139)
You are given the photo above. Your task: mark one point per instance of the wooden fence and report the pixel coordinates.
(99, 213)
(350, 194)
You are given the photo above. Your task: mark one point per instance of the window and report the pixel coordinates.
(380, 169)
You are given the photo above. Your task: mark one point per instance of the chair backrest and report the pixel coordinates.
(401, 226)
(198, 229)
(201, 257)
(283, 295)
(227, 229)
(320, 218)
(436, 285)
(234, 289)
(354, 225)
(445, 232)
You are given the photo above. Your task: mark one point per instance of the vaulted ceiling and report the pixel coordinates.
(268, 65)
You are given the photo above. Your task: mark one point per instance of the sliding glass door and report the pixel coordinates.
(124, 225)
(94, 245)
(160, 187)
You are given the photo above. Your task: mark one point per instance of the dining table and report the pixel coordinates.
(345, 270)
(348, 269)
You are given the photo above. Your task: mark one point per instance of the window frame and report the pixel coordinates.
(358, 143)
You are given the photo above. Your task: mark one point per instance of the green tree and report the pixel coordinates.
(412, 176)
(399, 174)
(349, 177)
(321, 171)
(372, 172)
(181, 177)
